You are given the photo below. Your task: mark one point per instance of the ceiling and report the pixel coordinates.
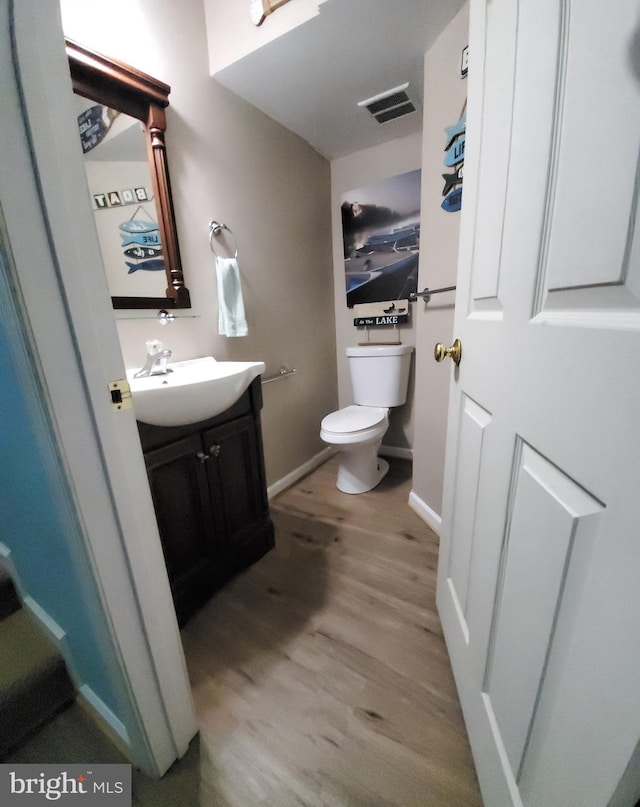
(311, 79)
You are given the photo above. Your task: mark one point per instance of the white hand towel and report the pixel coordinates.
(231, 317)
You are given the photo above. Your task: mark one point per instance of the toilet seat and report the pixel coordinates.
(354, 419)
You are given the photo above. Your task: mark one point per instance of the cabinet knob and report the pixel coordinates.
(214, 450)
(201, 456)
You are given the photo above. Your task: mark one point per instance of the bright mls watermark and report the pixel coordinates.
(99, 785)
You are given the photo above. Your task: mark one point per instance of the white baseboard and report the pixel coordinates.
(429, 516)
(298, 473)
(57, 634)
(110, 723)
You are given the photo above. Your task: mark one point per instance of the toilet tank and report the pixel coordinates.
(379, 374)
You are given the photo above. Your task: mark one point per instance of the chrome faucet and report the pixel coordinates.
(156, 361)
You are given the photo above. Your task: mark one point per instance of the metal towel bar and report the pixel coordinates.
(282, 373)
(426, 293)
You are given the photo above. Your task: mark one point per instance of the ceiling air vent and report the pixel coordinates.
(390, 104)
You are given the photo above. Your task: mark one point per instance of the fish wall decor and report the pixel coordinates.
(455, 129)
(143, 252)
(453, 179)
(453, 202)
(153, 265)
(455, 152)
(151, 239)
(138, 226)
(144, 244)
(454, 158)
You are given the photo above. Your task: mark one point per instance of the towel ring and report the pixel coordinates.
(215, 228)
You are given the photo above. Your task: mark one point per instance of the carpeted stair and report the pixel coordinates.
(41, 722)
(34, 683)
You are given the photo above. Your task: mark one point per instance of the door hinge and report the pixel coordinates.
(120, 394)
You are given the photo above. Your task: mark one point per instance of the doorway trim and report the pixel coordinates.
(68, 311)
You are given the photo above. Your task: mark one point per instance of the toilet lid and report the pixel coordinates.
(354, 419)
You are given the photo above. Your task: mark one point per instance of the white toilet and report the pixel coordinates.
(379, 378)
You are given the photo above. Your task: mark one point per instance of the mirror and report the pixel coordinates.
(122, 121)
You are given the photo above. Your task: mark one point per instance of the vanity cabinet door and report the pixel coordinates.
(210, 496)
(236, 490)
(178, 479)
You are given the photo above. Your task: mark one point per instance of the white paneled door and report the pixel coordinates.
(539, 578)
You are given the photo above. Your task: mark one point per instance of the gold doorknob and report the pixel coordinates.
(454, 352)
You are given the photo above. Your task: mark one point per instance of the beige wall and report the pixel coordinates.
(355, 171)
(444, 97)
(230, 162)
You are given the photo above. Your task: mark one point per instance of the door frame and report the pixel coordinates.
(67, 310)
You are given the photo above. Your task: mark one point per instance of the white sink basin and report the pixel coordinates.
(195, 390)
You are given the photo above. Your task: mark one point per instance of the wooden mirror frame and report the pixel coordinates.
(121, 87)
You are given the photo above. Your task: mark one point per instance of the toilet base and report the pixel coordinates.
(361, 470)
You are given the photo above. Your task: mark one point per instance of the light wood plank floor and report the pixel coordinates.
(320, 675)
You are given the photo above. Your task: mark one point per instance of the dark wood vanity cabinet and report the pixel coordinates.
(209, 491)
